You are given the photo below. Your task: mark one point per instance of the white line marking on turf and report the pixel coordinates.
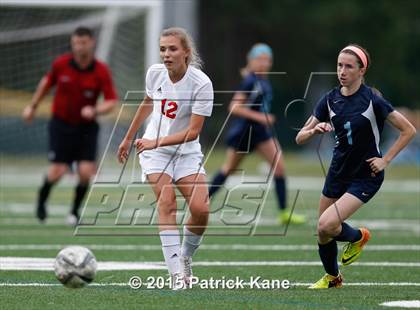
(34, 178)
(44, 264)
(366, 284)
(47, 264)
(303, 263)
(402, 303)
(374, 224)
(209, 247)
(40, 284)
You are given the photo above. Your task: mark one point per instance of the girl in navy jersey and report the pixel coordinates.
(356, 114)
(250, 129)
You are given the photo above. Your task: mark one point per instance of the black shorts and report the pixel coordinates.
(245, 138)
(362, 188)
(69, 143)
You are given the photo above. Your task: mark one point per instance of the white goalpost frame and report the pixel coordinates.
(154, 20)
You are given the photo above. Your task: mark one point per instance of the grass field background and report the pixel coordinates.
(388, 270)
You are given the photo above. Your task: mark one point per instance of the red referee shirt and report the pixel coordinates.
(76, 88)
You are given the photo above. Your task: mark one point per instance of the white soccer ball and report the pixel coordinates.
(75, 266)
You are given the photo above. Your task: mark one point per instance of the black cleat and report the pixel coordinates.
(41, 213)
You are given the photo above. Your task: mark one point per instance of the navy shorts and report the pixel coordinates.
(69, 143)
(245, 137)
(362, 188)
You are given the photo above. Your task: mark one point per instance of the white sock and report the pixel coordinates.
(171, 249)
(190, 243)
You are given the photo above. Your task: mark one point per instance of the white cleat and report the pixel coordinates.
(177, 282)
(186, 267)
(72, 220)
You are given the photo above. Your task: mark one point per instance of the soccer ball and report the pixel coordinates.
(75, 266)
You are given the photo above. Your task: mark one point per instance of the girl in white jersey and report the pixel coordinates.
(178, 97)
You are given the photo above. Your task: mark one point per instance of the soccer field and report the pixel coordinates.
(388, 270)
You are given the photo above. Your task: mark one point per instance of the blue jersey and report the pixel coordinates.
(358, 121)
(244, 134)
(259, 91)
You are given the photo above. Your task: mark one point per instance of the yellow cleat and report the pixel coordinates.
(352, 250)
(286, 217)
(328, 281)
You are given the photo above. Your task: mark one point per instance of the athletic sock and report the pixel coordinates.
(171, 250)
(44, 191)
(218, 180)
(79, 194)
(328, 254)
(190, 243)
(43, 195)
(280, 184)
(348, 233)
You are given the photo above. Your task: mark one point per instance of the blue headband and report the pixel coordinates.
(260, 49)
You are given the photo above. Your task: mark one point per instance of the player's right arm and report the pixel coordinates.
(42, 89)
(238, 108)
(312, 127)
(317, 123)
(143, 112)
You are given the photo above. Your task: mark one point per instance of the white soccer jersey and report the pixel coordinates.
(173, 104)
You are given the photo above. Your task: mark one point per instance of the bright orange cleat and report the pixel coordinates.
(352, 250)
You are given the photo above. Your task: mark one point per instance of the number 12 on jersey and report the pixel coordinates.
(172, 107)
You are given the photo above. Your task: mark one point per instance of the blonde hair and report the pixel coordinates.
(187, 42)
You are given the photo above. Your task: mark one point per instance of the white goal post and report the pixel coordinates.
(154, 21)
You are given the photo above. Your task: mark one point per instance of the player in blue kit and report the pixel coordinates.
(356, 114)
(250, 129)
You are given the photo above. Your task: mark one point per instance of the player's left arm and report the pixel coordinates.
(110, 94)
(110, 98)
(407, 133)
(106, 106)
(90, 112)
(189, 134)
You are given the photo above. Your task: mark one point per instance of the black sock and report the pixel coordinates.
(281, 192)
(328, 254)
(44, 192)
(348, 233)
(80, 193)
(218, 180)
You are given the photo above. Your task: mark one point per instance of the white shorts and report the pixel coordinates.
(175, 165)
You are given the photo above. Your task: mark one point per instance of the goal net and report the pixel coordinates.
(33, 33)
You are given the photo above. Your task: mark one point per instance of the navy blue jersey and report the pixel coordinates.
(358, 121)
(259, 96)
(259, 92)
(245, 134)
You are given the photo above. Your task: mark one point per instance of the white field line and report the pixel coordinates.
(46, 264)
(40, 284)
(250, 181)
(374, 224)
(60, 210)
(205, 247)
(399, 225)
(402, 304)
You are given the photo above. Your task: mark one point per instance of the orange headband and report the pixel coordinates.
(359, 52)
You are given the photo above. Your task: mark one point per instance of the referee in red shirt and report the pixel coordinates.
(79, 79)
